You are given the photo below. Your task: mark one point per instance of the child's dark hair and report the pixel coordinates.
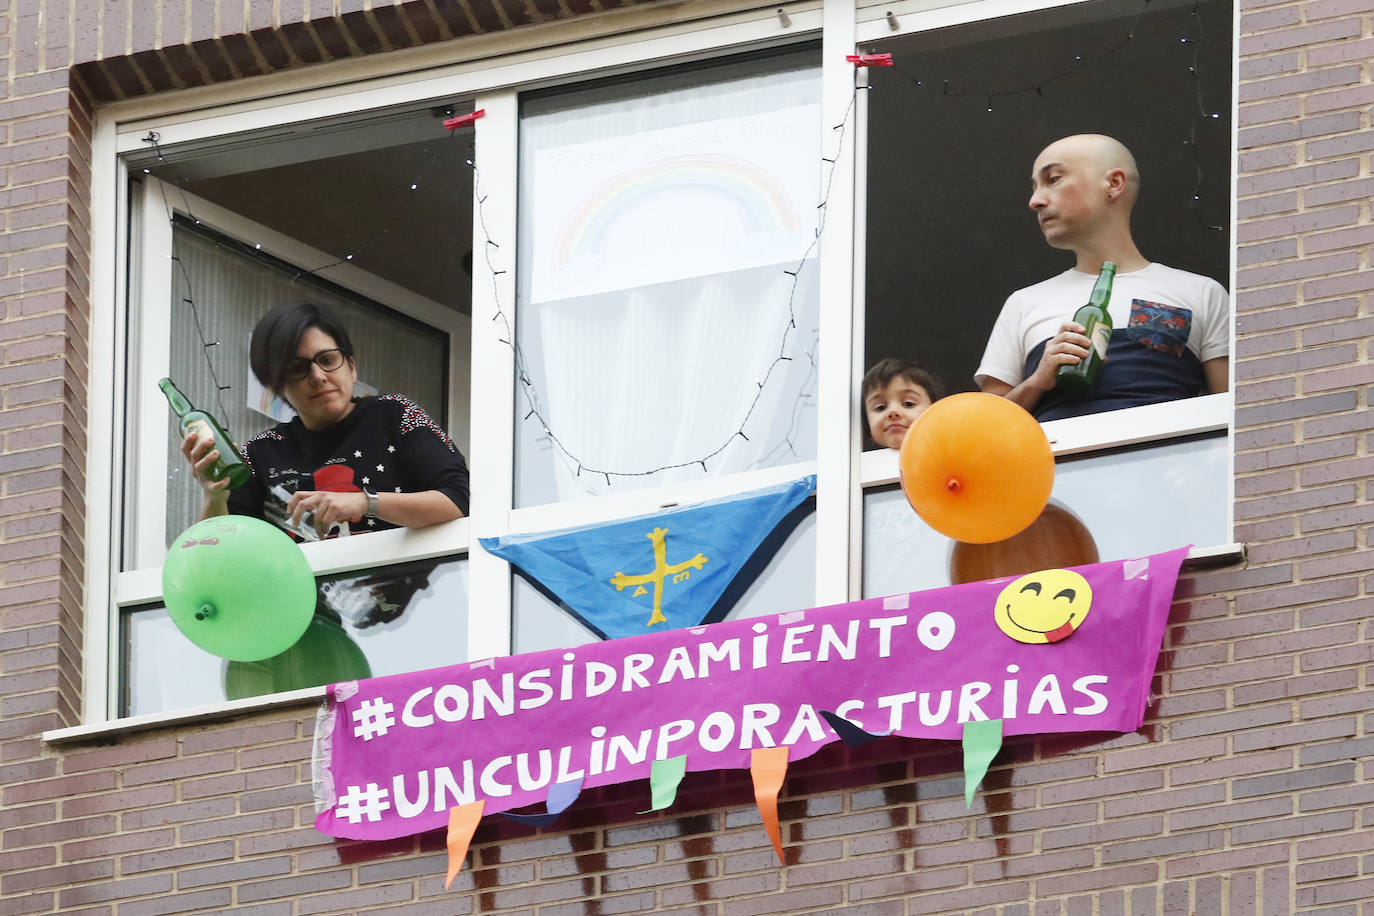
(278, 333)
(881, 374)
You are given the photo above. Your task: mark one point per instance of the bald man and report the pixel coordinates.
(1170, 335)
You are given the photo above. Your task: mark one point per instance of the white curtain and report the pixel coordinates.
(658, 218)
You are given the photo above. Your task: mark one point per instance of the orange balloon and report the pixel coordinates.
(977, 468)
(1057, 539)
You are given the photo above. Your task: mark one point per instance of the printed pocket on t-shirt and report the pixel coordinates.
(1160, 327)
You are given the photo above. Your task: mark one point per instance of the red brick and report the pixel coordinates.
(1253, 207)
(1334, 893)
(362, 900)
(1311, 81)
(1292, 362)
(1098, 879)
(119, 801)
(1299, 501)
(961, 900)
(1336, 612)
(1340, 285)
(117, 844)
(296, 885)
(786, 902)
(178, 768)
(1311, 777)
(1339, 192)
(118, 889)
(124, 752)
(1360, 841)
(1295, 687)
(177, 857)
(1099, 835)
(1300, 176)
(1226, 768)
(1293, 734)
(1341, 797)
(1291, 827)
(231, 826)
(1231, 813)
(1338, 378)
(1263, 112)
(1162, 847)
(208, 901)
(283, 838)
(1288, 596)
(1286, 644)
(1254, 717)
(57, 832)
(248, 736)
(1356, 654)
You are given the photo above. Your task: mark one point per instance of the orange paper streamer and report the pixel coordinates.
(462, 824)
(768, 766)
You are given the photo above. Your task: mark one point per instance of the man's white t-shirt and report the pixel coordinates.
(1166, 322)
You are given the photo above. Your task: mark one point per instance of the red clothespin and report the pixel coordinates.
(869, 60)
(465, 120)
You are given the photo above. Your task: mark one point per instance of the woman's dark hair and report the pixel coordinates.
(885, 370)
(278, 333)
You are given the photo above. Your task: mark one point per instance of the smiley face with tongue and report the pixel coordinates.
(1044, 607)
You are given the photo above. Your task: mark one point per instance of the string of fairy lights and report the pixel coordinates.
(789, 349)
(1081, 62)
(153, 138)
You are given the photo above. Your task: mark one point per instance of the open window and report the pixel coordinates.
(369, 216)
(953, 129)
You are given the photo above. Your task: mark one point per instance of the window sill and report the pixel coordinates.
(1098, 432)
(99, 731)
(340, 555)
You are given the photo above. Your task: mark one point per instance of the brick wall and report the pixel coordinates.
(1248, 790)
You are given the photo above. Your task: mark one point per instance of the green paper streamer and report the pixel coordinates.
(664, 779)
(982, 741)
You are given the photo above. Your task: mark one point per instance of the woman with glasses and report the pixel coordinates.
(363, 464)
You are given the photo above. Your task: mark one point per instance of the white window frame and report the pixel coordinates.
(1098, 433)
(493, 83)
(148, 340)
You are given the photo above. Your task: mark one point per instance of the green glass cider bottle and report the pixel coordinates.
(1081, 377)
(230, 462)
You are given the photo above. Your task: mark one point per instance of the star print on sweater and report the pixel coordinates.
(420, 456)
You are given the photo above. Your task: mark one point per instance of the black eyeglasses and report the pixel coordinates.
(328, 360)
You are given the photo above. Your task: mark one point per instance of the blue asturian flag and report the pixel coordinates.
(652, 572)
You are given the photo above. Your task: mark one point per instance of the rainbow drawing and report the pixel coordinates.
(758, 199)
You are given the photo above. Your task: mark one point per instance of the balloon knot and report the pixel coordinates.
(206, 611)
(952, 484)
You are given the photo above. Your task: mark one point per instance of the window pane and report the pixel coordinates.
(786, 581)
(949, 234)
(231, 288)
(389, 621)
(658, 217)
(1131, 503)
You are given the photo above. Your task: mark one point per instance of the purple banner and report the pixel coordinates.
(1058, 651)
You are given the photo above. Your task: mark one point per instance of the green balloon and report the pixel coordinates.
(238, 587)
(326, 654)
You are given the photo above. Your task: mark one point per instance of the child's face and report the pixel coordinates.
(891, 411)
